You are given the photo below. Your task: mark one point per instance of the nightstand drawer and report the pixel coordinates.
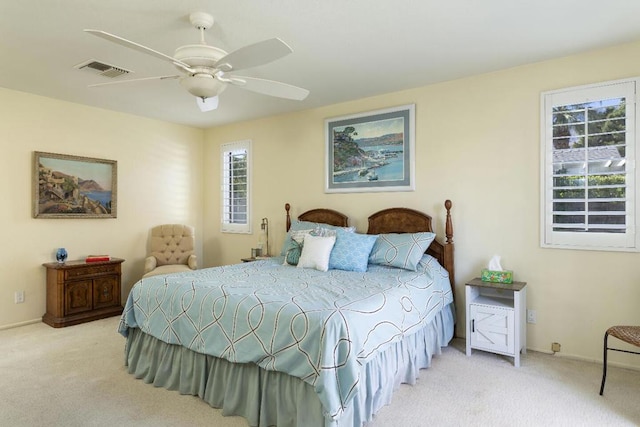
(91, 270)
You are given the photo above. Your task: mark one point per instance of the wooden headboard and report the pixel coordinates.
(325, 216)
(394, 220)
(404, 220)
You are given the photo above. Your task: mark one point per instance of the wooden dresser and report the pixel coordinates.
(79, 292)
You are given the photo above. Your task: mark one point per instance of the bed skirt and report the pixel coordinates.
(269, 398)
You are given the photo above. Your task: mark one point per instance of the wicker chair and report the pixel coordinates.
(628, 334)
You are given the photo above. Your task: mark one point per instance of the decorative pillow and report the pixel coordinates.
(325, 232)
(400, 250)
(306, 227)
(318, 227)
(293, 251)
(351, 251)
(316, 252)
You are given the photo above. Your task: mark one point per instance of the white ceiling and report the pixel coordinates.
(343, 49)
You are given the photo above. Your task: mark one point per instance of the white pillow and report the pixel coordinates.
(316, 252)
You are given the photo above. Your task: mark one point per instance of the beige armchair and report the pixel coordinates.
(171, 250)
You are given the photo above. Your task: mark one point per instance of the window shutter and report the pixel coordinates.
(235, 188)
(589, 146)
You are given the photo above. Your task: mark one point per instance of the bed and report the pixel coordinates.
(288, 346)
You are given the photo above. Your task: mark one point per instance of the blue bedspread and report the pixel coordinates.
(317, 326)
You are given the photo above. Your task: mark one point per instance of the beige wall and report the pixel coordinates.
(477, 143)
(159, 180)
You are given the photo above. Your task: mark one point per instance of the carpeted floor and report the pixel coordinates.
(75, 376)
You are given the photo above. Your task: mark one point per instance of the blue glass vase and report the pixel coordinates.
(61, 255)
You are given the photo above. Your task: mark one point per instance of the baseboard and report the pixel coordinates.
(537, 350)
(587, 359)
(580, 358)
(16, 325)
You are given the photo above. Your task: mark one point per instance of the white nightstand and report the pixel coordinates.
(496, 319)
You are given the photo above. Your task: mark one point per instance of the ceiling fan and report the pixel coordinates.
(204, 68)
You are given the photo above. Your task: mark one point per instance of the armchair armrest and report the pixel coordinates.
(192, 262)
(150, 263)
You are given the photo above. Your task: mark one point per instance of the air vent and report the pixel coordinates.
(102, 69)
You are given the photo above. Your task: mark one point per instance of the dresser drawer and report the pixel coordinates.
(91, 270)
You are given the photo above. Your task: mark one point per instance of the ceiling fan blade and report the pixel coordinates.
(269, 87)
(207, 104)
(253, 55)
(140, 48)
(133, 80)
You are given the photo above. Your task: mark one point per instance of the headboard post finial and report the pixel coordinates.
(448, 248)
(287, 207)
(449, 224)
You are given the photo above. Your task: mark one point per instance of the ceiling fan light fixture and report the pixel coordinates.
(203, 85)
(207, 104)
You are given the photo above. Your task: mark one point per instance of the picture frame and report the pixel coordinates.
(371, 151)
(66, 186)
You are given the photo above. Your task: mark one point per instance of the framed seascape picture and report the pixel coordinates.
(67, 186)
(371, 151)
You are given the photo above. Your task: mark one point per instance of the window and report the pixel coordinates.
(588, 167)
(236, 187)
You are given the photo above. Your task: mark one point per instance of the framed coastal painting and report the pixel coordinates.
(66, 186)
(372, 151)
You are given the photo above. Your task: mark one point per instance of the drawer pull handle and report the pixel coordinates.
(473, 325)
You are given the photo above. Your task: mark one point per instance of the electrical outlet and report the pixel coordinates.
(19, 297)
(555, 347)
(531, 316)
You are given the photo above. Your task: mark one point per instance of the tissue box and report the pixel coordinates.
(503, 276)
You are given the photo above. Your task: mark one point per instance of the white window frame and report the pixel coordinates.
(225, 188)
(626, 241)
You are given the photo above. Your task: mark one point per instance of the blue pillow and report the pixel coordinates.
(317, 227)
(400, 250)
(351, 251)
